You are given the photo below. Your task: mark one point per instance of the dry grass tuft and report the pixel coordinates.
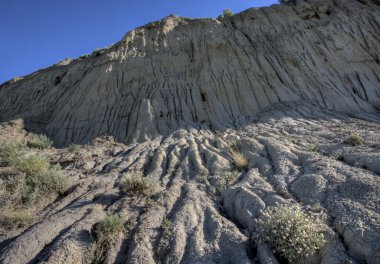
(40, 142)
(137, 185)
(240, 161)
(12, 219)
(354, 140)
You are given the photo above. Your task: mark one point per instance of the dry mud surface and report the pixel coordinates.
(212, 222)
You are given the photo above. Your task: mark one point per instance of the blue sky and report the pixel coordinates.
(38, 33)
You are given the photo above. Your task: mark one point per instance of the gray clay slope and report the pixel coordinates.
(207, 73)
(286, 84)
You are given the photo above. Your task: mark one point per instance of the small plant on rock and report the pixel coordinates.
(73, 148)
(40, 142)
(165, 225)
(354, 140)
(226, 13)
(291, 233)
(137, 185)
(228, 178)
(105, 233)
(313, 148)
(203, 179)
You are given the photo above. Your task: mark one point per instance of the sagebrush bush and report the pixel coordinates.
(31, 164)
(137, 185)
(34, 178)
(354, 140)
(43, 183)
(291, 233)
(40, 141)
(105, 233)
(226, 13)
(228, 178)
(9, 153)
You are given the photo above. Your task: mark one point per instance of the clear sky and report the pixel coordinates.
(35, 34)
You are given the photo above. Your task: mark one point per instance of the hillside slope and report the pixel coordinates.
(207, 73)
(189, 131)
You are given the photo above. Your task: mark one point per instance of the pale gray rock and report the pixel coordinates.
(207, 73)
(285, 85)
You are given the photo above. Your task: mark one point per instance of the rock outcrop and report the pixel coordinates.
(207, 74)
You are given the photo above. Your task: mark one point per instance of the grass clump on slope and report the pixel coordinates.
(137, 185)
(27, 178)
(40, 142)
(106, 231)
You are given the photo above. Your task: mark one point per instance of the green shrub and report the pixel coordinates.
(230, 177)
(40, 142)
(166, 225)
(31, 164)
(291, 233)
(313, 148)
(73, 148)
(137, 185)
(354, 140)
(226, 13)
(43, 183)
(9, 153)
(105, 233)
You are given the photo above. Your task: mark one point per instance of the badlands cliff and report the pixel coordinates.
(294, 89)
(207, 74)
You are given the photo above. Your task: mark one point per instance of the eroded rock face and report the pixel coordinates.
(207, 73)
(283, 86)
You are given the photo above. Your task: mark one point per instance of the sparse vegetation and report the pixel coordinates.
(40, 141)
(73, 148)
(165, 225)
(9, 153)
(226, 13)
(291, 233)
(354, 140)
(28, 179)
(137, 185)
(105, 233)
(203, 179)
(228, 178)
(12, 219)
(240, 161)
(31, 164)
(337, 156)
(43, 183)
(313, 148)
